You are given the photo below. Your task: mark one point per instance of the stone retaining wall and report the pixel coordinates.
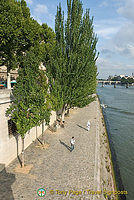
(11, 146)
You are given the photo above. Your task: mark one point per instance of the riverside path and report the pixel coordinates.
(63, 174)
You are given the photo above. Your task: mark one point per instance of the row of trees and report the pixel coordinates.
(127, 81)
(69, 56)
(124, 80)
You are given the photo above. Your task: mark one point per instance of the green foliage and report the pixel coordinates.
(11, 22)
(127, 81)
(25, 10)
(72, 69)
(48, 41)
(18, 32)
(115, 79)
(31, 103)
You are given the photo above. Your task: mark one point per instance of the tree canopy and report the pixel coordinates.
(30, 96)
(18, 32)
(48, 42)
(127, 81)
(72, 69)
(11, 22)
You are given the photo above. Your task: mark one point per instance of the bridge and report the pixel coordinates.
(106, 82)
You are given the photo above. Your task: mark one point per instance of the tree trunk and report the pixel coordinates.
(22, 152)
(56, 115)
(8, 79)
(68, 111)
(43, 132)
(63, 114)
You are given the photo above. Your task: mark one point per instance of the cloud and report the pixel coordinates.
(107, 67)
(104, 4)
(131, 49)
(41, 14)
(106, 28)
(107, 32)
(41, 9)
(116, 40)
(108, 53)
(127, 9)
(29, 1)
(120, 33)
(103, 63)
(128, 50)
(124, 40)
(108, 22)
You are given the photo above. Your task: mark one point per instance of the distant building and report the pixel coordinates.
(14, 73)
(122, 76)
(3, 74)
(132, 75)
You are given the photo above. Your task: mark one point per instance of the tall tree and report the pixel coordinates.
(18, 33)
(48, 42)
(73, 65)
(31, 105)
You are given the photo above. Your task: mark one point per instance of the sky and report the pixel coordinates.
(113, 24)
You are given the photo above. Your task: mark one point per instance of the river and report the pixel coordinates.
(119, 114)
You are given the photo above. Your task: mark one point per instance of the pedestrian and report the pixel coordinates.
(72, 141)
(88, 125)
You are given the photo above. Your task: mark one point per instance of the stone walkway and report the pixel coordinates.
(56, 169)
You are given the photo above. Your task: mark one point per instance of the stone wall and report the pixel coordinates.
(11, 146)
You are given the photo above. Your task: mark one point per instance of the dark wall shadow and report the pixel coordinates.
(16, 137)
(68, 147)
(6, 180)
(37, 140)
(81, 127)
(12, 130)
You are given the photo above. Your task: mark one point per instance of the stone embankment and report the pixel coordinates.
(85, 173)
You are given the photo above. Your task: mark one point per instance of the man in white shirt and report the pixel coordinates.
(88, 125)
(72, 141)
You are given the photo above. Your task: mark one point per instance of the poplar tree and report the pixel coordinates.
(72, 69)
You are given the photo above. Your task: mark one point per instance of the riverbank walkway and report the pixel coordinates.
(63, 174)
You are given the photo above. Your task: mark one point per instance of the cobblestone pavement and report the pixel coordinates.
(56, 168)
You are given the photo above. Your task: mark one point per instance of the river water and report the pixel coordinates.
(119, 114)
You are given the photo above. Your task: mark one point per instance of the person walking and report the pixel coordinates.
(88, 125)
(72, 141)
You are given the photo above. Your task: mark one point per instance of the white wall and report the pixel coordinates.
(8, 144)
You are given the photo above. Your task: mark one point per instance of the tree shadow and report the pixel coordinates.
(81, 127)
(6, 180)
(68, 147)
